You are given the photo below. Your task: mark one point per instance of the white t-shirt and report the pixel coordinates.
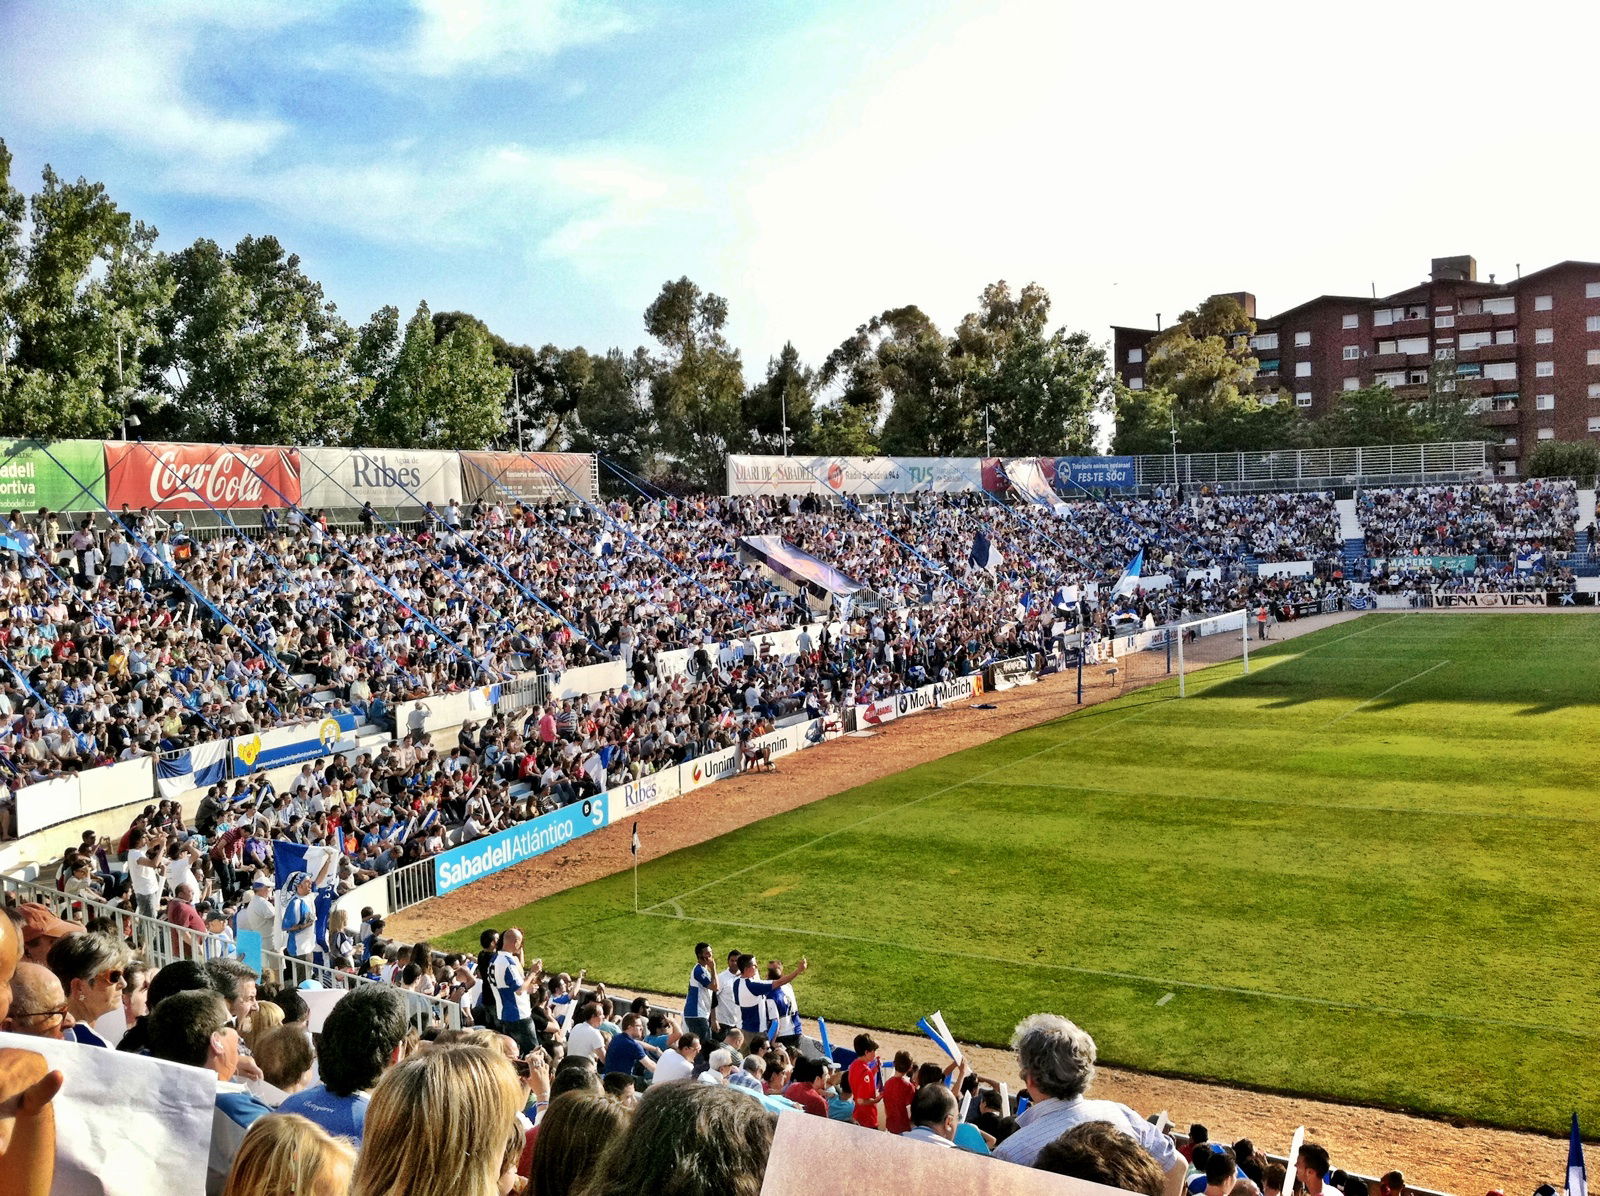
(727, 1007)
(672, 1066)
(586, 1041)
(147, 882)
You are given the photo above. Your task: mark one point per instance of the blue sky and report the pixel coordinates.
(547, 166)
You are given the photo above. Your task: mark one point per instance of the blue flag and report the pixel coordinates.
(1128, 583)
(985, 555)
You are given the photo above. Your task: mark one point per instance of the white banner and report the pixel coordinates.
(856, 476)
(783, 645)
(1284, 569)
(940, 693)
(703, 770)
(49, 802)
(628, 799)
(1214, 573)
(121, 1115)
(589, 679)
(439, 711)
(1446, 599)
(1012, 672)
(126, 782)
(875, 714)
(340, 477)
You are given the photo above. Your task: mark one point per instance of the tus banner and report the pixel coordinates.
(290, 745)
(863, 477)
(187, 477)
(494, 853)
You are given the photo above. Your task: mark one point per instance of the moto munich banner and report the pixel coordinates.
(486, 477)
(189, 477)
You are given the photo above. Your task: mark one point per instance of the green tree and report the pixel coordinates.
(901, 356)
(253, 352)
(1205, 359)
(785, 396)
(79, 299)
(1041, 388)
(1578, 459)
(697, 387)
(432, 391)
(612, 417)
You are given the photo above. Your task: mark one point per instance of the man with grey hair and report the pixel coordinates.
(1056, 1062)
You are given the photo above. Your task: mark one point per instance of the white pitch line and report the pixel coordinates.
(1133, 977)
(1390, 690)
(1096, 729)
(1166, 998)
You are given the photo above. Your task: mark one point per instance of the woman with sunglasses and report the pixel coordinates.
(92, 970)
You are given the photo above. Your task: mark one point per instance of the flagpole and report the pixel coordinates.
(633, 847)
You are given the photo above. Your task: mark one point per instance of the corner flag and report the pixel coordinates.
(1577, 1176)
(635, 847)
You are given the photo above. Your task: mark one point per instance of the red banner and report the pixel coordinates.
(190, 477)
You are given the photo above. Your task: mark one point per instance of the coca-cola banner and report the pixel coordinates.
(187, 477)
(496, 477)
(341, 477)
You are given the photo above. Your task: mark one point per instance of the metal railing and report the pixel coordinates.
(410, 884)
(161, 943)
(1377, 465)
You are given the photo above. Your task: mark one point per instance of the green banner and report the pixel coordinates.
(1464, 564)
(29, 479)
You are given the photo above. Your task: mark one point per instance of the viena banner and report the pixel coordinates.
(494, 853)
(188, 477)
(860, 477)
(1448, 599)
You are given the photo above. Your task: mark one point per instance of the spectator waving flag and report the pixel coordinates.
(1531, 561)
(1577, 1176)
(984, 554)
(1128, 583)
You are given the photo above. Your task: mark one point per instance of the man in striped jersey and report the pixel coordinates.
(511, 988)
(751, 995)
(698, 1005)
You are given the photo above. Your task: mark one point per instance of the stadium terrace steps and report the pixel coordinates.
(1354, 556)
(1349, 522)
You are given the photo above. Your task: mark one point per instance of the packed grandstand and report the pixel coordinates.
(130, 637)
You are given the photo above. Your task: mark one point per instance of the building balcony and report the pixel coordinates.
(1489, 353)
(1508, 418)
(1506, 452)
(1422, 327)
(1384, 361)
(1482, 320)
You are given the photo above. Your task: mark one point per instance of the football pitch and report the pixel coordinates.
(1368, 870)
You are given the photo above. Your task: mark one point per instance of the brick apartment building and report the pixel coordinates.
(1527, 350)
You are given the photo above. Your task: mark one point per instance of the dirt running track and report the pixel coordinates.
(1458, 1159)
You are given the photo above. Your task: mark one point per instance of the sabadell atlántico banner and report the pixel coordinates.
(64, 475)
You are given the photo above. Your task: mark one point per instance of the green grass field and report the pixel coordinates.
(1368, 870)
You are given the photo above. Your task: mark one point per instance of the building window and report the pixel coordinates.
(1135, 356)
(1303, 399)
(1268, 365)
(1592, 324)
(1500, 370)
(1352, 352)
(1302, 339)
(1594, 390)
(1302, 369)
(1447, 353)
(1547, 433)
(1544, 336)
(1264, 340)
(1505, 336)
(1501, 305)
(1591, 290)
(1510, 442)
(1352, 320)
(1444, 321)
(1417, 377)
(1594, 423)
(1391, 378)
(1544, 369)
(1352, 383)
(1508, 469)
(1543, 302)
(1594, 356)
(1474, 340)
(1469, 369)
(1135, 383)
(1544, 402)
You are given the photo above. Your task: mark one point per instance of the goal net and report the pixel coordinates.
(1210, 640)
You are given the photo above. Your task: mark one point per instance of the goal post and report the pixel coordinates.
(1210, 625)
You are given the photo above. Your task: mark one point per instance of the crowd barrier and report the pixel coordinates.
(64, 798)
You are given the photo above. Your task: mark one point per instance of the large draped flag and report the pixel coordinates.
(1128, 583)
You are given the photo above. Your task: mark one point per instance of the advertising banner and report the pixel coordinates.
(1102, 473)
(186, 477)
(493, 853)
(30, 479)
(702, 770)
(341, 477)
(1579, 598)
(628, 799)
(532, 476)
(1448, 599)
(855, 476)
(875, 714)
(940, 693)
(1406, 564)
(1012, 672)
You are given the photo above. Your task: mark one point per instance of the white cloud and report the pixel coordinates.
(497, 37)
(119, 73)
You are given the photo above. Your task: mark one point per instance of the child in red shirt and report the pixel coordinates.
(898, 1090)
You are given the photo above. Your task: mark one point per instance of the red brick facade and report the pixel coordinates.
(1489, 332)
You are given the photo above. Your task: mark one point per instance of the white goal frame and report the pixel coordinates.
(1219, 625)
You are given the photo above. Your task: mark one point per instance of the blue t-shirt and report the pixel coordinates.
(623, 1054)
(699, 999)
(341, 1116)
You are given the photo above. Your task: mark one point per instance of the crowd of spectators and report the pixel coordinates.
(551, 1087)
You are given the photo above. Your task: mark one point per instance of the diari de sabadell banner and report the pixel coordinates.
(492, 853)
(64, 475)
(188, 477)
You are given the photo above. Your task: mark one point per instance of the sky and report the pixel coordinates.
(548, 165)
